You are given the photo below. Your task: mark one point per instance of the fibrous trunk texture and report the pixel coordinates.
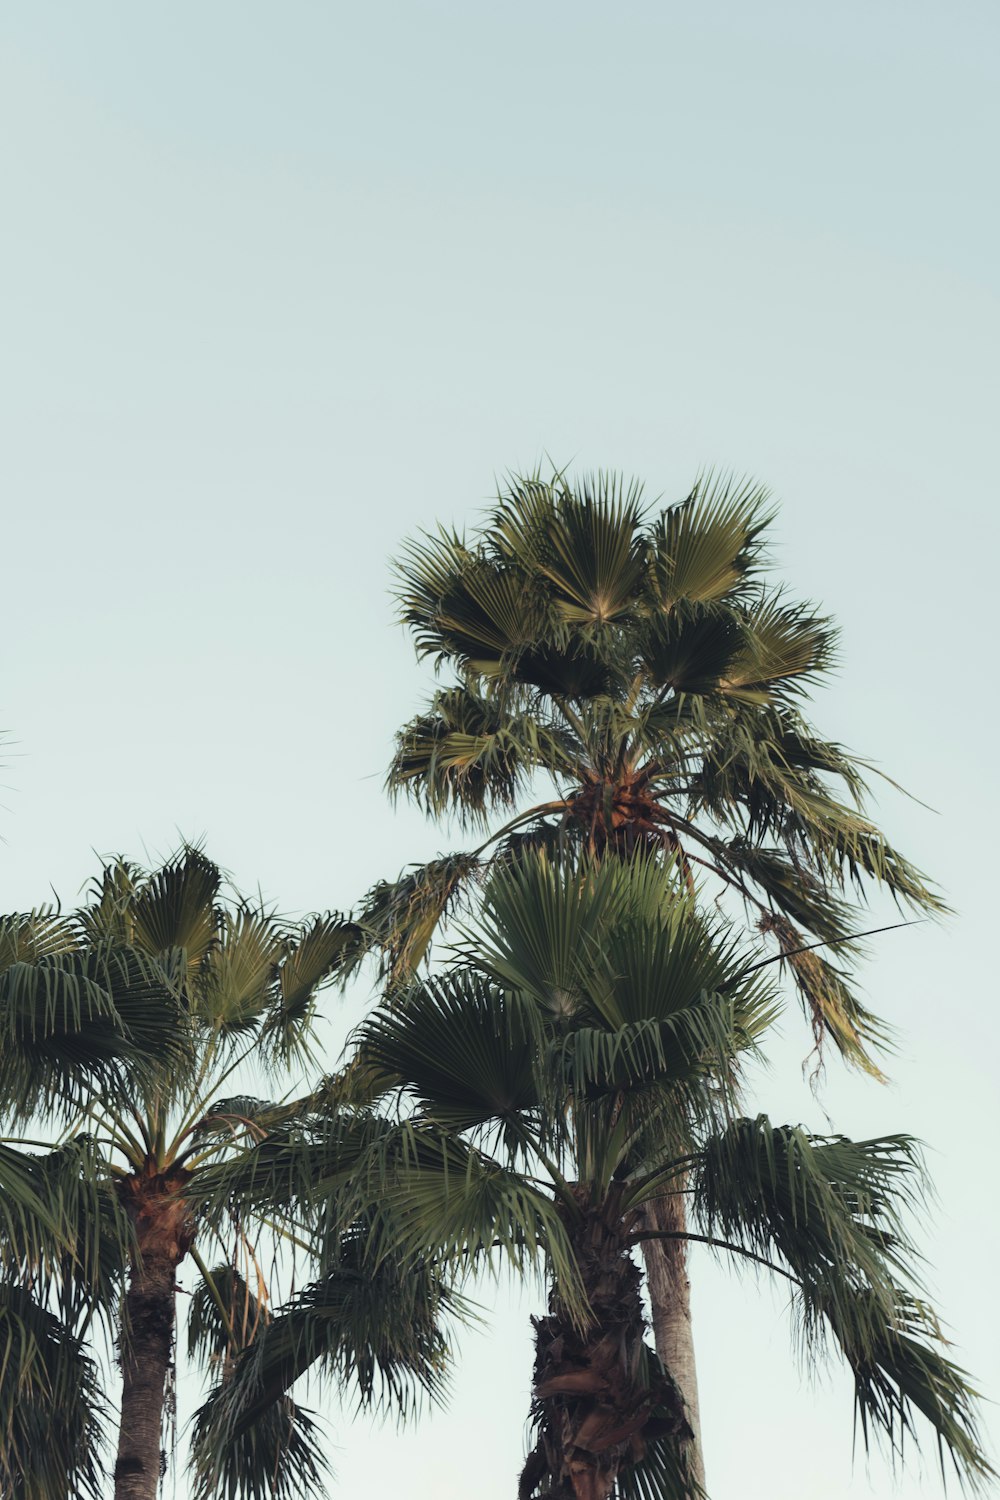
(670, 1300)
(163, 1237)
(597, 1400)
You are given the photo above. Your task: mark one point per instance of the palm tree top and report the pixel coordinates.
(621, 675)
(563, 588)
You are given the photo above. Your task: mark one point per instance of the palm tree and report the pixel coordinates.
(577, 1061)
(138, 1184)
(640, 666)
(71, 1023)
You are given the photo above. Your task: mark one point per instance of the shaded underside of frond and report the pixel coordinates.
(62, 1228)
(72, 1023)
(370, 1325)
(833, 1211)
(52, 1408)
(279, 1457)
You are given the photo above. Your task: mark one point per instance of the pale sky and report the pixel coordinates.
(284, 283)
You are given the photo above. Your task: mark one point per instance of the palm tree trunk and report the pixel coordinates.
(146, 1352)
(670, 1299)
(164, 1232)
(595, 1410)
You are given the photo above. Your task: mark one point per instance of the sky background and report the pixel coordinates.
(282, 284)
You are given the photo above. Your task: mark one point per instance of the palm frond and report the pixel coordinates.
(707, 548)
(174, 906)
(469, 754)
(372, 1327)
(788, 648)
(834, 1212)
(315, 953)
(52, 1408)
(698, 1041)
(661, 1474)
(823, 1204)
(833, 1009)
(901, 1372)
(591, 549)
(238, 982)
(279, 1457)
(32, 1228)
(613, 941)
(575, 669)
(444, 1197)
(74, 1021)
(231, 1115)
(399, 918)
(26, 937)
(463, 1050)
(62, 1229)
(426, 571)
(465, 607)
(695, 648)
(303, 1159)
(787, 887)
(107, 916)
(542, 917)
(224, 1318)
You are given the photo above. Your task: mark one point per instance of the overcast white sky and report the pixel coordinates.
(284, 283)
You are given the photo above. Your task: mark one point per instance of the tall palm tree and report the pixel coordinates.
(578, 1060)
(138, 1184)
(639, 666)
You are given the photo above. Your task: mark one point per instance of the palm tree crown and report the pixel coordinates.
(640, 663)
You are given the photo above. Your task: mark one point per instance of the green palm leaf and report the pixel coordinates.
(26, 937)
(833, 1211)
(696, 648)
(174, 909)
(399, 918)
(591, 549)
(463, 1050)
(51, 1406)
(62, 1229)
(73, 1021)
(470, 754)
(31, 1228)
(788, 648)
(279, 1457)
(708, 547)
(901, 1372)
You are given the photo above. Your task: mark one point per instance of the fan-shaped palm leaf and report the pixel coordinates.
(464, 1051)
(592, 550)
(708, 547)
(175, 907)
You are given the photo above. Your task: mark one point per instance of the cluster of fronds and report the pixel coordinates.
(640, 665)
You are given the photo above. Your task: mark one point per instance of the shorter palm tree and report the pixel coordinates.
(72, 1024)
(202, 988)
(577, 1062)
